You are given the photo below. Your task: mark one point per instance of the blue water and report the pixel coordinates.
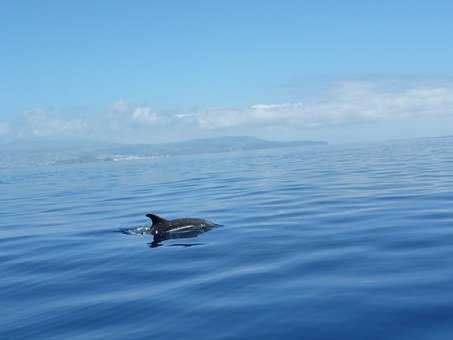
(334, 242)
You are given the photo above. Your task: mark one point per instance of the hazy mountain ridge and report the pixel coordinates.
(208, 145)
(48, 151)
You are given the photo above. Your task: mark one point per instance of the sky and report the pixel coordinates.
(158, 71)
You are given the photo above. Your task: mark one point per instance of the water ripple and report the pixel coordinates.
(337, 242)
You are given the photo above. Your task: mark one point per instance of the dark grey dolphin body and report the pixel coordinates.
(163, 229)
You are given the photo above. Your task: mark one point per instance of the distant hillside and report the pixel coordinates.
(50, 151)
(208, 145)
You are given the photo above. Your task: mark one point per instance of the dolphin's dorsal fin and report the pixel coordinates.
(158, 220)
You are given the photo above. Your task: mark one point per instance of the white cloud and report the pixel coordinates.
(346, 104)
(144, 114)
(42, 123)
(220, 118)
(350, 102)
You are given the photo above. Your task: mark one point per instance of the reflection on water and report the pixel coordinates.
(155, 244)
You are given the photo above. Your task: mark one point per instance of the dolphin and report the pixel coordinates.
(163, 229)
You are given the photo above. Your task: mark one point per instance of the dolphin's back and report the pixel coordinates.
(181, 222)
(178, 228)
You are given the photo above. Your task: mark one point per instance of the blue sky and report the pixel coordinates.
(154, 71)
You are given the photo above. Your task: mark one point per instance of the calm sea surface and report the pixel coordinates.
(333, 242)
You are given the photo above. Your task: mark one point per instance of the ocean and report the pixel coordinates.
(323, 242)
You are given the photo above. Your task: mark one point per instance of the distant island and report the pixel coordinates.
(51, 151)
(209, 145)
